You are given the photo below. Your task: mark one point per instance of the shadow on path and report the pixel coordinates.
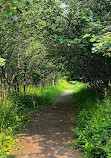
(48, 135)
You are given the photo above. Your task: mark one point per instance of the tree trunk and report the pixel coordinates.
(25, 69)
(53, 82)
(3, 82)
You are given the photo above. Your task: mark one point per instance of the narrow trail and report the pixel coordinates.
(48, 135)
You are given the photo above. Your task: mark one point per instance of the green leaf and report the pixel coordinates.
(15, 18)
(86, 35)
(2, 62)
(92, 40)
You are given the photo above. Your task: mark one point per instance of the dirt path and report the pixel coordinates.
(49, 134)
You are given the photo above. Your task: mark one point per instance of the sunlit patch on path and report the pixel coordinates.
(48, 135)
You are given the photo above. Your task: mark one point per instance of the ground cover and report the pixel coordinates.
(93, 124)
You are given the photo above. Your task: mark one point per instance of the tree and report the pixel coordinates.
(43, 37)
(80, 33)
(22, 32)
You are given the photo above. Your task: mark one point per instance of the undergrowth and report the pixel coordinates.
(16, 111)
(93, 125)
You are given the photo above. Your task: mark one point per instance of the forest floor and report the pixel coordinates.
(48, 135)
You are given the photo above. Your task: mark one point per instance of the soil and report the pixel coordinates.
(48, 135)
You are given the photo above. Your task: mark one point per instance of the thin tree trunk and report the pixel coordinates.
(25, 69)
(13, 77)
(18, 88)
(53, 80)
(3, 82)
(17, 83)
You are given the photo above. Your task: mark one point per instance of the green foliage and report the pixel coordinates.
(6, 143)
(79, 35)
(40, 38)
(16, 110)
(93, 129)
(2, 62)
(102, 44)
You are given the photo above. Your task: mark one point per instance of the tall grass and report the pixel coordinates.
(16, 111)
(93, 130)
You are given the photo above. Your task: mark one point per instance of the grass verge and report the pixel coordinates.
(93, 130)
